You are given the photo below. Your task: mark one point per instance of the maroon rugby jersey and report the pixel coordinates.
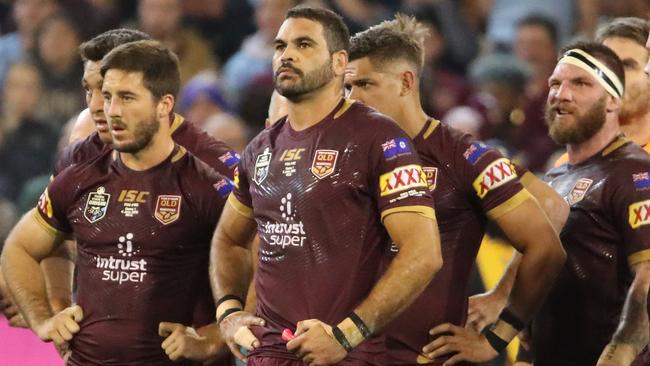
(143, 241)
(319, 197)
(469, 182)
(606, 232)
(213, 152)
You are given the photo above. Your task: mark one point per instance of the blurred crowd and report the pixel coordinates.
(487, 64)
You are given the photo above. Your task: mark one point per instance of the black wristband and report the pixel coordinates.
(226, 313)
(363, 328)
(495, 341)
(340, 337)
(510, 318)
(226, 298)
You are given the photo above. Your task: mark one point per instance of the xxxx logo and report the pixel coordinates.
(401, 179)
(495, 175)
(639, 214)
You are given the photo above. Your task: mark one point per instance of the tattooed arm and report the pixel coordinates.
(632, 334)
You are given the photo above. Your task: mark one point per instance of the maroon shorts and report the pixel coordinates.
(272, 361)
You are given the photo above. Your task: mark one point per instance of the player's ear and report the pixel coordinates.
(408, 84)
(165, 105)
(339, 62)
(614, 104)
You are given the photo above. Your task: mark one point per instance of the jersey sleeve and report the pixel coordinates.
(396, 175)
(630, 203)
(52, 208)
(217, 155)
(491, 178)
(240, 199)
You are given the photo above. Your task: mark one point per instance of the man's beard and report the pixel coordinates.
(584, 127)
(143, 133)
(306, 84)
(636, 104)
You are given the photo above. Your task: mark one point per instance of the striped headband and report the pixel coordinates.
(597, 69)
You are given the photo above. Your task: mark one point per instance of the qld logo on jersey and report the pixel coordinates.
(641, 181)
(324, 163)
(475, 152)
(230, 159)
(396, 147)
(639, 214)
(401, 179)
(168, 208)
(96, 205)
(432, 176)
(498, 173)
(262, 163)
(579, 190)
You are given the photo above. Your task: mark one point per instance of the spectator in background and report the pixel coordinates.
(28, 15)
(162, 20)
(59, 63)
(29, 147)
(253, 60)
(536, 44)
(202, 97)
(228, 128)
(500, 81)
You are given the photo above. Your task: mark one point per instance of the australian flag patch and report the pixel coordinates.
(396, 147)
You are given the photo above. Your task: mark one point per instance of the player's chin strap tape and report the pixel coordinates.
(504, 330)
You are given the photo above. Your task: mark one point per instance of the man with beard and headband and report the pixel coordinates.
(596, 313)
(327, 187)
(627, 38)
(385, 64)
(142, 215)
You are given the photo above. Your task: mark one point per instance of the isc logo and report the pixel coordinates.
(292, 154)
(131, 195)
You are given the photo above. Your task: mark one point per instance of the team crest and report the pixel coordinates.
(324, 163)
(432, 176)
(579, 190)
(96, 205)
(262, 166)
(168, 208)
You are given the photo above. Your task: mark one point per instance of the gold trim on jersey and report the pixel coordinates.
(179, 154)
(509, 205)
(241, 208)
(425, 211)
(638, 257)
(432, 127)
(620, 141)
(49, 228)
(176, 123)
(526, 178)
(344, 108)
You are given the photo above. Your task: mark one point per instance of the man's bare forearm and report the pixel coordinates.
(230, 268)
(26, 283)
(58, 273)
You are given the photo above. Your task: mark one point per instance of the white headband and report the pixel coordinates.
(605, 76)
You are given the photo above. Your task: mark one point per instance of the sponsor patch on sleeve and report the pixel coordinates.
(639, 214)
(45, 204)
(396, 147)
(224, 187)
(498, 173)
(230, 159)
(641, 181)
(475, 151)
(401, 179)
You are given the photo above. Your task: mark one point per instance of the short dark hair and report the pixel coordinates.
(400, 38)
(539, 20)
(96, 48)
(602, 53)
(159, 65)
(335, 31)
(632, 28)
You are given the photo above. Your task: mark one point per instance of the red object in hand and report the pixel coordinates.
(287, 335)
